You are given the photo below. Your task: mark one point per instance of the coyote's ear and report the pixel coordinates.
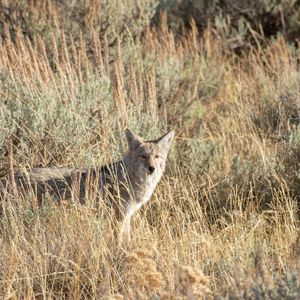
(165, 141)
(133, 140)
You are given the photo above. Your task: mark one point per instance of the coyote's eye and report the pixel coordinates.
(156, 156)
(143, 156)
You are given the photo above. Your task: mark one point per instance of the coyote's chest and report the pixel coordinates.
(146, 188)
(142, 194)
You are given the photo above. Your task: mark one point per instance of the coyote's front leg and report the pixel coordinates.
(125, 235)
(125, 232)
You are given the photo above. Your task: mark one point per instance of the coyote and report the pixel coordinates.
(124, 185)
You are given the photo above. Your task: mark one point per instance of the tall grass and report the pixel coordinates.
(223, 222)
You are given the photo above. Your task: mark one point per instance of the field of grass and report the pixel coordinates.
(224, 220)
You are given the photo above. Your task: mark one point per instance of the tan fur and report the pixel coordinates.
(125, 185)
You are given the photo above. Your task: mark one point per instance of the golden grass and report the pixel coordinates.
(224, 217)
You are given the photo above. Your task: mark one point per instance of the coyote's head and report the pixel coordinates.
(147, 158)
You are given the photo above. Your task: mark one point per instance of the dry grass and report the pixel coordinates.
(224, 220)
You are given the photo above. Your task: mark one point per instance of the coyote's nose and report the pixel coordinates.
(151, 169)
